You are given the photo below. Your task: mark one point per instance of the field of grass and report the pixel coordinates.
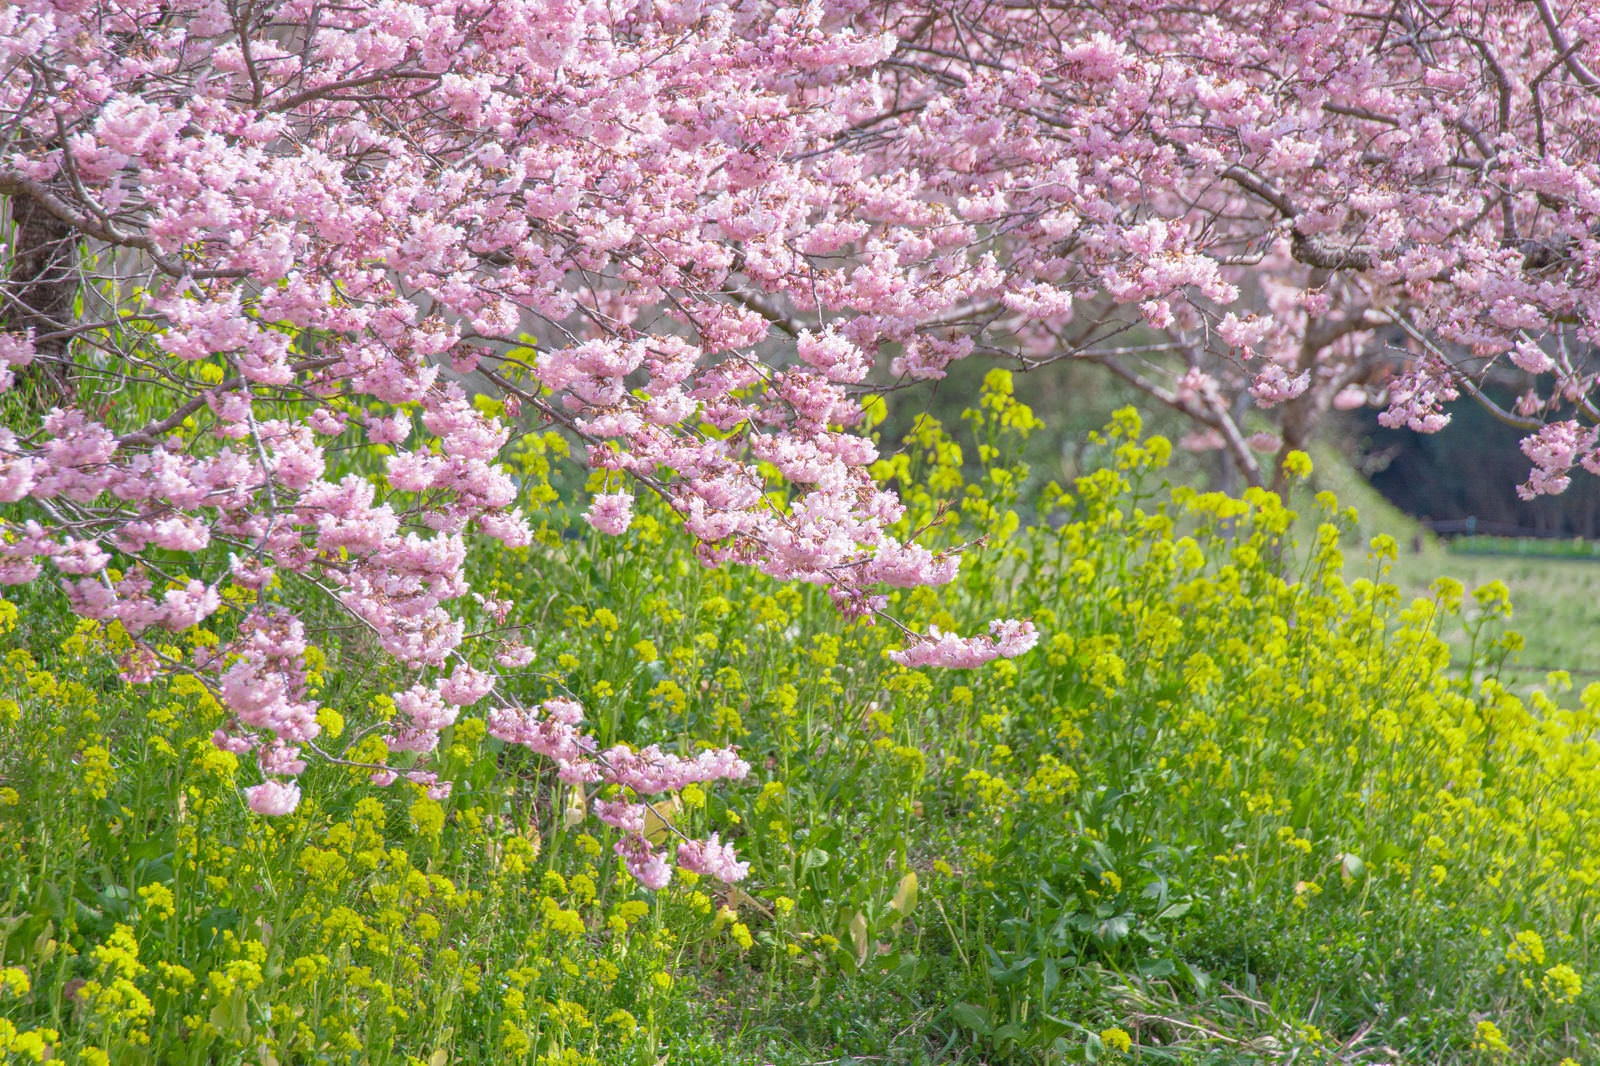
(1250, 800)
(1557, 608)
(1555, 593)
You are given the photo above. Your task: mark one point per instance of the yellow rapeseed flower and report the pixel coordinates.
(1116, 1039)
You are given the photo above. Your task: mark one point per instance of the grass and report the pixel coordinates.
(1554, 588)
(1248, 801)
(1557, 608)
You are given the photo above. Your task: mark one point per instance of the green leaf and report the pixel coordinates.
(1305, 801)
(1113, 930)
(972, 1016)
(812, 858)
(1197, 977)
(1011, 973)
(1010, 1032)
(230, 1017)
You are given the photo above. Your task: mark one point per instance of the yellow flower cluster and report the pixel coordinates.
(1210, 713)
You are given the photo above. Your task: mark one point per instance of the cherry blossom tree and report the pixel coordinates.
(303, 230)
(1320, 205)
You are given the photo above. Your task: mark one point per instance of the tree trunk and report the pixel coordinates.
(38, 293)
(1298, 426)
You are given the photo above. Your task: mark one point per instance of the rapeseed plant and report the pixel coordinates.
(1229, 761)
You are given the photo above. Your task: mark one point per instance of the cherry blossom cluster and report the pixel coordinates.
(1007, 639)
(310, 237)
(1324, 204)
(553, 731)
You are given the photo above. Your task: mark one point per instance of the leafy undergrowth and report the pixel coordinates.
(1238, 806)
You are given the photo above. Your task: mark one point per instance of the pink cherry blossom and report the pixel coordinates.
(1007, 639)
(611, 513)
(273, 797)
(712, 858)
(724, 224)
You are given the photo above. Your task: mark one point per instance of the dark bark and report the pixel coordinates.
(38, 293)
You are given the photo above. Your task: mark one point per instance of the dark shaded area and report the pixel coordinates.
(1464, 478)
(37, 294)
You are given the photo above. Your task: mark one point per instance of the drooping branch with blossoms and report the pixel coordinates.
(301, 232)
(1321, 205)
